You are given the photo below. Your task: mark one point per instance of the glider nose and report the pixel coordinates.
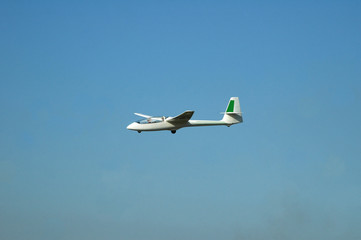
(131, 126)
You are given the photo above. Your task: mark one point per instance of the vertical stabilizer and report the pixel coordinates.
(233, 114)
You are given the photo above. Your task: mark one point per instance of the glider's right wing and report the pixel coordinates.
(184, 117)
(142, 115)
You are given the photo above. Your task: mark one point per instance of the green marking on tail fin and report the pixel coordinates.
(230, 107)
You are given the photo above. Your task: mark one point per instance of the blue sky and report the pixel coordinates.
(73, 73)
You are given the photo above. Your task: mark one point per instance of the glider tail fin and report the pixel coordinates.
(233, 114)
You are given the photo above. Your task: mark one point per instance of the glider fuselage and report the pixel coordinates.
(165, 125)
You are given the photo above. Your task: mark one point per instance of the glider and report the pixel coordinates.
(233, 115)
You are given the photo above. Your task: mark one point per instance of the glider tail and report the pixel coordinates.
(233, 114)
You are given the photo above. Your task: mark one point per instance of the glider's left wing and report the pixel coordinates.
(184, 117)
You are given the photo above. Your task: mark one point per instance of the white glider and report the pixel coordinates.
(233, 115)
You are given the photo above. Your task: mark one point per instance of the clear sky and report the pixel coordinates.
(72, 73)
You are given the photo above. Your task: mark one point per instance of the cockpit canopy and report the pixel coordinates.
(151, 120)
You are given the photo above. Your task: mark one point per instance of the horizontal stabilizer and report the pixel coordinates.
(234, 113)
